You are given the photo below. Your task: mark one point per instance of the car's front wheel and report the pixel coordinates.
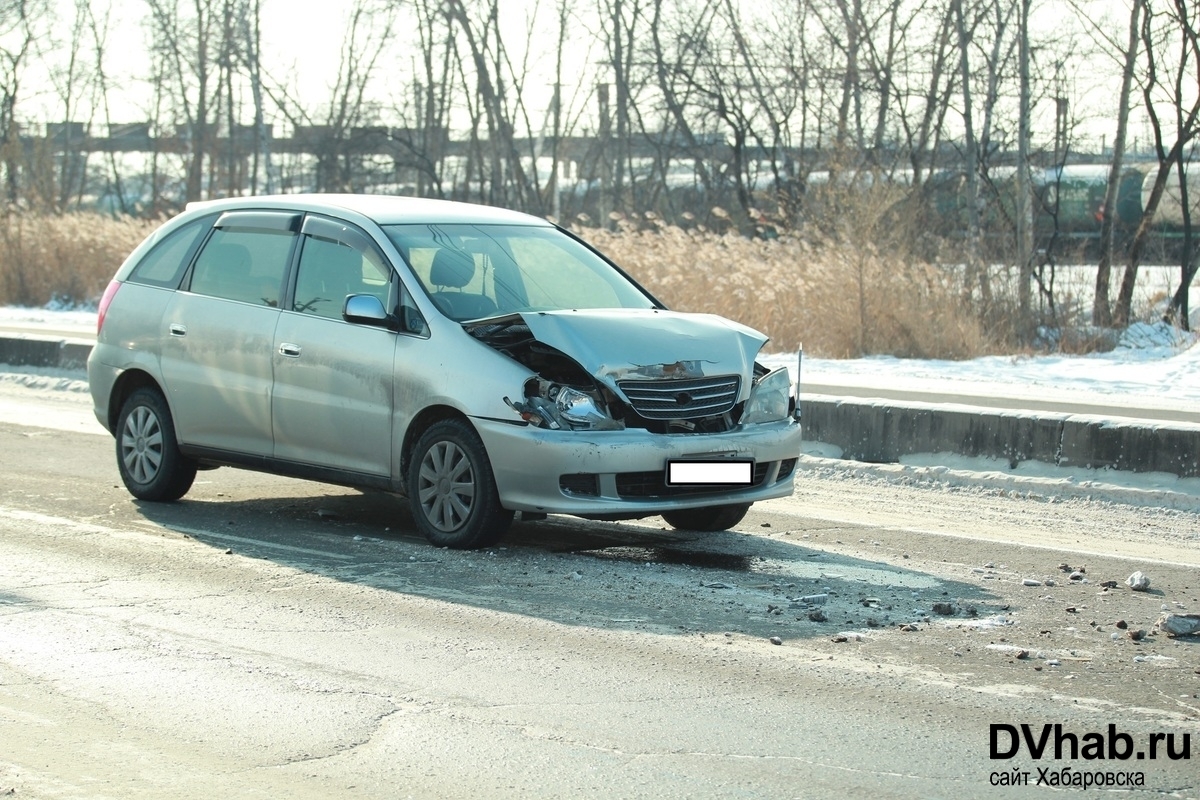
(714, 518)
(148, 456)
(451, 488)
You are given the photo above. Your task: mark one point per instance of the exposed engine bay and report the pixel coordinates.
(564, 394)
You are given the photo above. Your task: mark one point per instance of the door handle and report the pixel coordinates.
(178, 330)
(290, 350)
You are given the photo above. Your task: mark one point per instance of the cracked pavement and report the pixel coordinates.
(269, 637)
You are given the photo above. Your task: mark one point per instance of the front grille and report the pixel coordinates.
(683, 399)
(654, 484)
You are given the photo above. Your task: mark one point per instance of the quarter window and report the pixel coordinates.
(166, 261)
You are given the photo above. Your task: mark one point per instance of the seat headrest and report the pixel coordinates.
(452, 268)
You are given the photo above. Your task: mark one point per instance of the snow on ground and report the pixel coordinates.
(52, 318)
(1154, 365)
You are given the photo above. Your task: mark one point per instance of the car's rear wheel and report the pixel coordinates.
(451, 488)
(148, 456)
(714, 518)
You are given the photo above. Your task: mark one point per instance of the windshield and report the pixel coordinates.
(476, 271)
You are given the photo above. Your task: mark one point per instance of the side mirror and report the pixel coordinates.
(366, 309)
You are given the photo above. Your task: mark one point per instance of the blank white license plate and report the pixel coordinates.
(714, 472)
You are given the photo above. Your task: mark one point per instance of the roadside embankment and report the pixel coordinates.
(42, 351)
(884, 431)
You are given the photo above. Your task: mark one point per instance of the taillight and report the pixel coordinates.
(107, 298)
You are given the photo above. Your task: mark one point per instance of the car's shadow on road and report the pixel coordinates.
(635, 576)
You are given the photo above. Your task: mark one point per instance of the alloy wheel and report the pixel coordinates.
(446, 486)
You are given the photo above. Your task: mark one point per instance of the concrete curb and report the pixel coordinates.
(884, 431)
(881, 431)
(41, 351)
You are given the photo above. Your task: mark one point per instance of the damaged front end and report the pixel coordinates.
(661, 371)
(561, 394)
(554, 406)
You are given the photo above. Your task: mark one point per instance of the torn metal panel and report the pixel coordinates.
(613, 345)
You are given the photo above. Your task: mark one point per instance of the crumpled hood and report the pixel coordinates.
(648, 344)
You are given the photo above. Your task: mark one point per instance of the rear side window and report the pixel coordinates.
(244, 265)
(165, 263)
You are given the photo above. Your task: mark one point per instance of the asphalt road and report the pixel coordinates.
(277, 638)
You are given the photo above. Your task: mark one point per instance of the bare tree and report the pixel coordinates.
(249, 39)
(74, 81)
(675, 54)
(923, 126)
(98, 25)
(1171, 35)
(18, 34)
(488, 66)
(329, 127)
(1024, 204)
(185, 45)
(622, 22)
(432, 98)
(1101, 306)
(1187, 77)
(976, 271)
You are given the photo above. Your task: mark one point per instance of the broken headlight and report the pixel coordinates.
(579, 409)
(549, 405)
(769, 399)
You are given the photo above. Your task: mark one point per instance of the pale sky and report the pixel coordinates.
(302, 44)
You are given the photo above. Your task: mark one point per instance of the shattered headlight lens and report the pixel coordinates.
(770, 399)
(549, 405)
(579, 408)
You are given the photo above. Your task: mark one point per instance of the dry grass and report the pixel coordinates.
(840, 293)
(837, 300)
(851, 284)
(67, 258)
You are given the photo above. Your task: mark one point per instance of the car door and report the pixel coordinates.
(333, 396)
(219, 333)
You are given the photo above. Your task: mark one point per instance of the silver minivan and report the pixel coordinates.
(479, 361)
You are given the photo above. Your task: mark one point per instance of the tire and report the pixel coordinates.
(451, 488)
(707, 520)
(148, 456)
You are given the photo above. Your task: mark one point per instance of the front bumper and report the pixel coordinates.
(622, 473)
